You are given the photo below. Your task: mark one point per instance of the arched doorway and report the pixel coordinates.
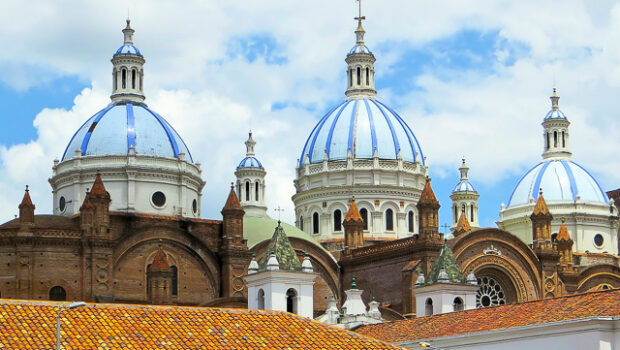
(58, 293)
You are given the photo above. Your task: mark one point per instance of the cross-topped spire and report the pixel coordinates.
(359, 32)
(360, 18)
(279, 210)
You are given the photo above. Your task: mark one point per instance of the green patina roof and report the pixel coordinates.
(283, 250)
(259, 229)
(447, 261)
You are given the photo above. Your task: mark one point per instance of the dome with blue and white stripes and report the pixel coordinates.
(127, 49)
(560, 180)
(464, 186)
(361, 127)
(250, 162)
(124, 125)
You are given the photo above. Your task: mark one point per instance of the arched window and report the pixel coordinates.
(471, 209)
(555, 139)
(389, 220)
(563, 140)
(410, 220)
(547, 141)
(337, 220)
(456, 214)
(359, 76)
(463, 208)
(141, 76)
(261, 299)
(239, 190)
(458, 304)
(256, 191)
(291, 301)
(367, 76)
(247, 190)
(124, 78)
(148, 282)
(428, 309)
(58, 293)
(115, 75)
(174, 288)
(351, 77)
(133, 78)
(301, 222)
(315, 223)
(364, 214)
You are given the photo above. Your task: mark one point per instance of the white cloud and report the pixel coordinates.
(492, 116)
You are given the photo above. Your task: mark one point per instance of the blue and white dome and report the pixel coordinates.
(361, 126)
(555, 114)
(121, 125)
(250, 162)
(127, 49)
(359, 49)
(560, 180)
(464, 186)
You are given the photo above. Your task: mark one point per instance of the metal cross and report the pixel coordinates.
(360, 18)
(445, 227)
(279, 210)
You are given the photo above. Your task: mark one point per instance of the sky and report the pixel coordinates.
(471, 78)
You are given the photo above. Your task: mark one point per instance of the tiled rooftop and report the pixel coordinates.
(577, 306)
(31, 325)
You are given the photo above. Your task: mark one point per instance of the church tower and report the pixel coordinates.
(251, 182)
(279, 281)
(127, 72)
(555, 132)
(464, 200)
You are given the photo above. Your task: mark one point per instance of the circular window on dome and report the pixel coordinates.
(159, 199)
(195, 206)
(599, 240)
(62, 204)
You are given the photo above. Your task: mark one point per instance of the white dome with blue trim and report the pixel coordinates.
(250, 162)
(121, 125)
(464, 186)
(560, 180)
(361, 126)
(128, 49)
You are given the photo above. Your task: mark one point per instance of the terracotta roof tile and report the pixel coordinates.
(563, 234)
(463, 224)
(26, 201)
(233, 201)
(31, 325)
(353, 213)
(577, 306)
(427, 194)
(541, 206)
(98, 187)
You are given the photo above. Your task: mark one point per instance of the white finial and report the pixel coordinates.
(554, 100)
(464, 169)
(253, 268)
(421, 280)
(272, 263)
(306, 265)
(128, 33)
(249, 144)
(471, 278)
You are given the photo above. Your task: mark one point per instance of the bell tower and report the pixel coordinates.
(127, 71)
(360, 61)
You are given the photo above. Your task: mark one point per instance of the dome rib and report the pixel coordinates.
(366, 131)
(561, 180)
(389, 122)
(121, 126)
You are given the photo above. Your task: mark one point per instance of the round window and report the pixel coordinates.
(159, 199)
(62, 204)
(599, 240)
(195, 206)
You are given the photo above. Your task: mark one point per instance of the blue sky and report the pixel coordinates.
(470, 81)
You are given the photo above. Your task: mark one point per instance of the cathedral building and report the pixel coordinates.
(127, 227)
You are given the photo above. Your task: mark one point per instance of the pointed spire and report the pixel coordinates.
(282, 250)
(353, 214)
(361, 70)
(128, 33)
(554, 100)
(359, 32)
(462, 226)
(541, 206)
(98, 187)
(249, 144)
(26, 201)
(563, 234)
(233, 201)
(427, 195)
(464, 169)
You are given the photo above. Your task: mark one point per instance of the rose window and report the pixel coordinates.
(490, 293)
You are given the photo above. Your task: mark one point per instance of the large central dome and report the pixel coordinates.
(361, 126)
(122, 125)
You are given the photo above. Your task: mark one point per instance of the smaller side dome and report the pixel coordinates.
(555, 112)
(464, 184)
(127, 49)
(250, 162)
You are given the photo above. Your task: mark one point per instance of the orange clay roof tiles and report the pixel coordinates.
(233, 201)
(26, 201)
(427, 194)
(541, 206)
(563, 234)
(31, 325)
(98, 187)
(353, 213)
(577, 306)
